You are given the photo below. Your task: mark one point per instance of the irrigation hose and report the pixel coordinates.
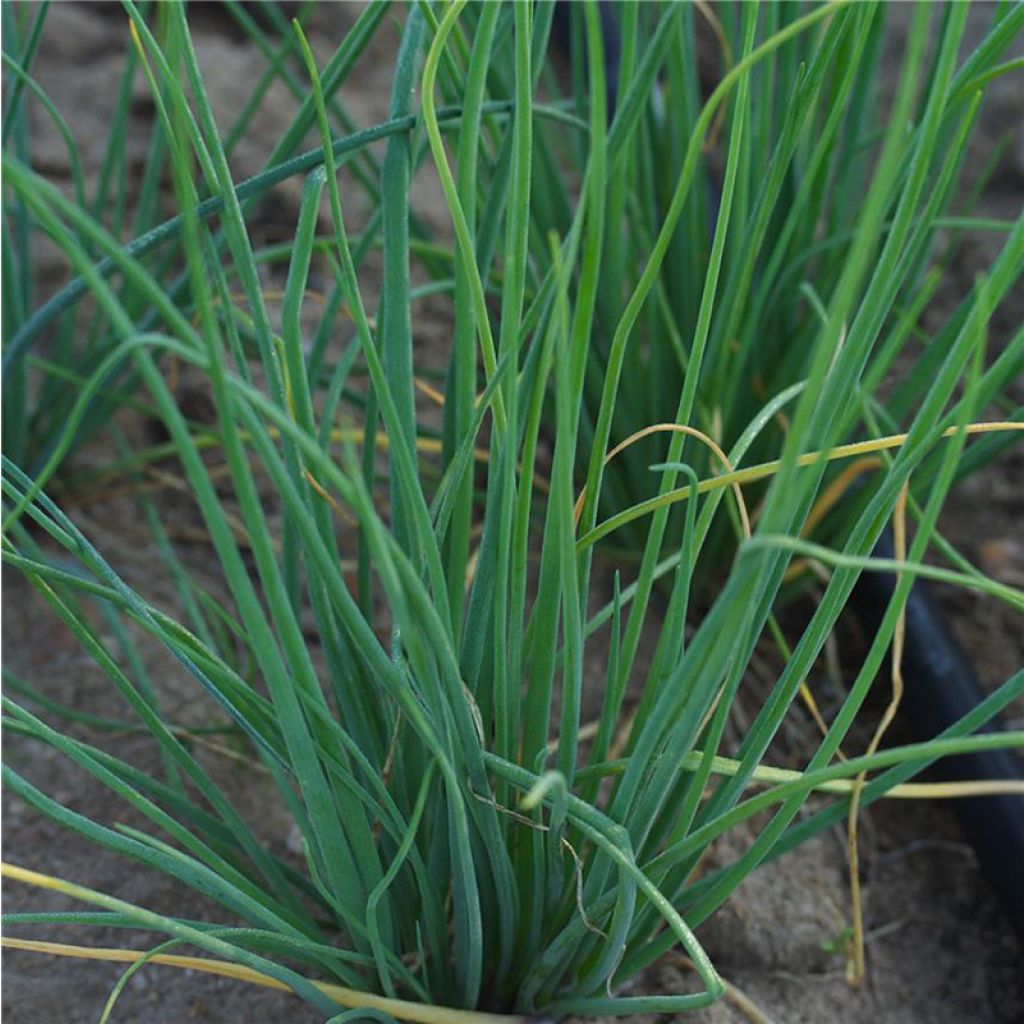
(941, 687)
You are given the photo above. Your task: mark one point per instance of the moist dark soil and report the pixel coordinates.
(939, 950)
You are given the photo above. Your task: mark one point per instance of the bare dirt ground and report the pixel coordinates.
(939, 951)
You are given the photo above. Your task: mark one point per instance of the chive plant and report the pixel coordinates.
(664, 313)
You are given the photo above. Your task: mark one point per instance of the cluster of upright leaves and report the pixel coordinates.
(455, 830)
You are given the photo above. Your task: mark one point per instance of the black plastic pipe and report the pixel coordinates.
(940, 687)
